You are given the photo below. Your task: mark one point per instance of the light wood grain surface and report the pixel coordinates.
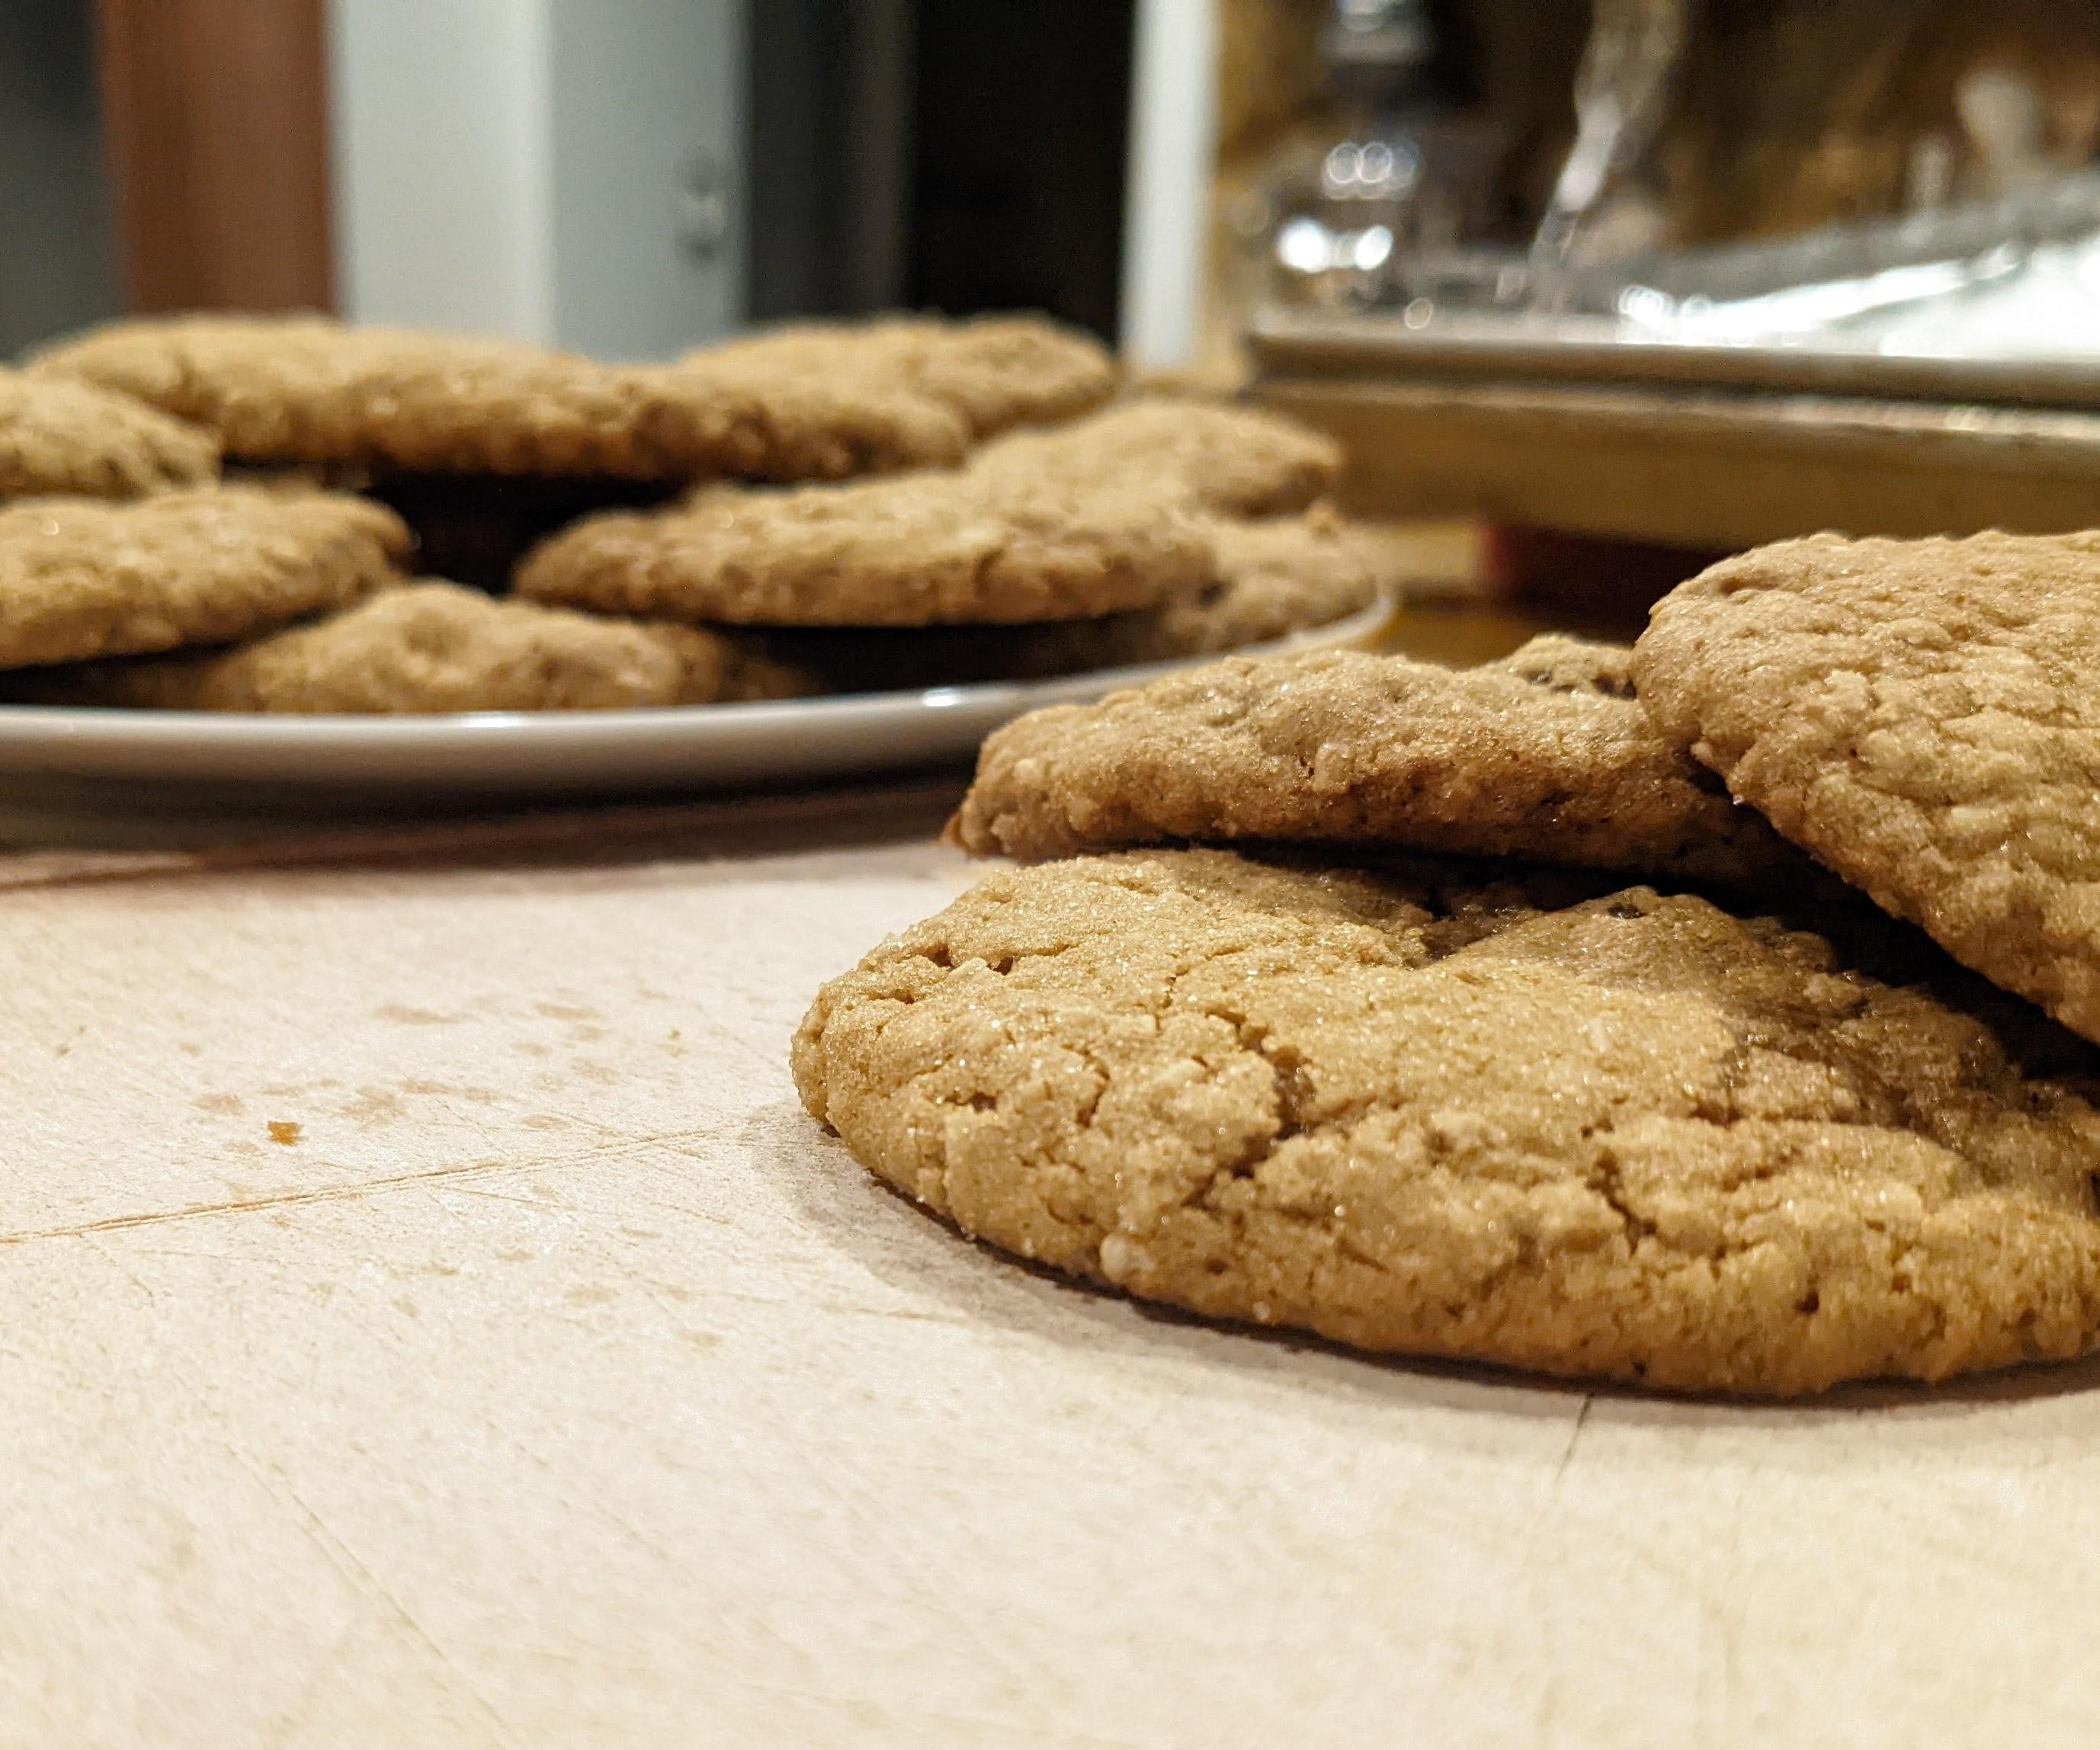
(562, 1385)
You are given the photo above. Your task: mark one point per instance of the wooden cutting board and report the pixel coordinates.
(426, 1317)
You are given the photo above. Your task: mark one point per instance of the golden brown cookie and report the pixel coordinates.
(1526, 758)
(431, 646)
(1098, 516)
(992, 372)
(1274, 578)
(1234, 461)
(1924, 717)
(925, 549)
(306, 390)
(75, 438)
(79, 578)
(1634, 1138)
(1560, 663)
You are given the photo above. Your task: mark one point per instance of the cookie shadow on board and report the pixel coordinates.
(910, 1248)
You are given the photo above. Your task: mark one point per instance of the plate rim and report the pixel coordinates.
(28, 731)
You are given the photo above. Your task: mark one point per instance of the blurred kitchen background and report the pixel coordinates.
(1679, 274)
(624, 177)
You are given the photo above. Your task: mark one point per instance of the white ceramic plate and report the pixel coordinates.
(559, 753)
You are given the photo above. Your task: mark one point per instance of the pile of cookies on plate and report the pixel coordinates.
(288, 514)
(1713, 1015)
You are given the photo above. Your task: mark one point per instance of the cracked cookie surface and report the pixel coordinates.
(79, 578)
(433, 646)
(1629, 1136)
(1545, 755)
(1922, 715)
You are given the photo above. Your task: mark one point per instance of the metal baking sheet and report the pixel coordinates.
(1587, 349)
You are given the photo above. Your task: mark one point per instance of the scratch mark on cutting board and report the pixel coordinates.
(273, 1481)
(1574, 1434)
(365, 1581)
(368, 1585)
(369, 1188)
(248, 1206)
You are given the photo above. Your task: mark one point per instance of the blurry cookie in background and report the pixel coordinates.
(308, 389)
(75, 438)
(486, 446)
(1234, 461)
(976, 378)
(1097, 517)
(82, 578)
(992, 372)
(1286, 575)
(926, 549)
(431, 647)
(435, 646)
(803, 403)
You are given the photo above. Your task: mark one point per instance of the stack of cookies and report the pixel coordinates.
(1714, 1014)
(418, 523)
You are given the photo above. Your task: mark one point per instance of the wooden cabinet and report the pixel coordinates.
(215, 126)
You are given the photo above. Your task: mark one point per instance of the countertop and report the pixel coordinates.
(429, 1318)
